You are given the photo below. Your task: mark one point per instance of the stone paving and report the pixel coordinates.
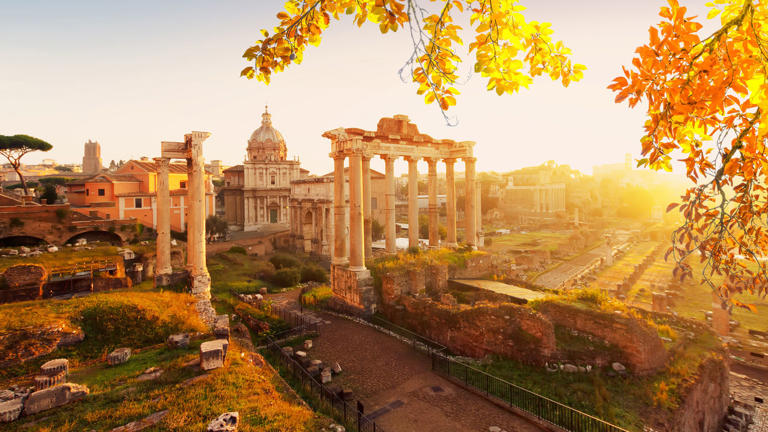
(397, 384)
(744, 388)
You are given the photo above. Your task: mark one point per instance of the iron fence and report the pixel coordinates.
(325, 399)
(539, 406)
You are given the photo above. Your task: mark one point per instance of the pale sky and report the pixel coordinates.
(133, 74)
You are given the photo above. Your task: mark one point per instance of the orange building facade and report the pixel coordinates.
(130, 192)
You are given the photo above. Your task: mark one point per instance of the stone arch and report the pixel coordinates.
(97, 235)
(21, 240)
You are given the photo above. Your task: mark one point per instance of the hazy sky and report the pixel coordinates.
(132, 74)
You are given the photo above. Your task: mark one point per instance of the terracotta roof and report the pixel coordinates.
(235, 168)
(146, 166)
(105, 178)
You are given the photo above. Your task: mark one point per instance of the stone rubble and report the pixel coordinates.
(118, 356)
(59, 395)
(180, 340)
(226, 422)
(213, 353)
(142, 424)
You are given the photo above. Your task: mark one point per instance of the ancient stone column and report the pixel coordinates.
(339, 212)
(450, 202)
(200, 279)
(389, 205)
(432, 209)
(478, 213)
(470, 225)
(356, 230)
(163, 268)
(413, 202)
(189, 225)
(367, 214)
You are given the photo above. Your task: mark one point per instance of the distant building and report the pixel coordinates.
(531, 196)
(92, 158)
(130, 192)
(256, 194)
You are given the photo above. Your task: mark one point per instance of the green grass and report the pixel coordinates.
(116, 397)
(534, 240)
(66, 256)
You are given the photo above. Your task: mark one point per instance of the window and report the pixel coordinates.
(137, 202)
(87, 192)
(374, 204)
(183, 185)
(272, 179)
(101, 192)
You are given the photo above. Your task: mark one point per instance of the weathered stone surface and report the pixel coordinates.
(705, 401)
(142, 424)
(308, 344)
(10, 410)
(212, 354)
(118, 356)
(317, 362)
(179, 340)
(505, 329)
(53, 367)
(336, 368)
(25, 275)
(226, 422)
(6, 395)
(46, 381)
(221, 327)
(570, 368)
(300, 354)
(618, 367)
(288, 351)
(150, 374)
(239, 330)
(639, 343)
(325, 375)
(53, 397)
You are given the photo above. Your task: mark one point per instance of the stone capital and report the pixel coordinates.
(431, 161)
(337, 156)
(449, 161)
(162, 162)
(469, 159)
(388, 157)
(410, 159)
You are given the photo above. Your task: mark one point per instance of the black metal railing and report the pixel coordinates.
(325, 400)
(543, 408)
(414, 339)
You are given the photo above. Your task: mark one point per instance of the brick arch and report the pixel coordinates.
(97, 235)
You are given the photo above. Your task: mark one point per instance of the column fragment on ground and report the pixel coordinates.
(450, 203)
(339, 213)
(413, 202)
(163, 268)
(356, 230)
(367, 222)
(432, 209)
(389, 209)
(470, 227)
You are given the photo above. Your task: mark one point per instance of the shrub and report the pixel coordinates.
(284, 260)
(316, 295)
(16, 223)
(61, 214)
(414, 250)
(238, 250)
(286, 277)
(263, 270)
(313, 273)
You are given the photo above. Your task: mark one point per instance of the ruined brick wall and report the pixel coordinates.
(508, 330)
(706, 401)
(639, 342)
(352, 287)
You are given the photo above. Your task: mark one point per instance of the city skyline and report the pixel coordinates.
(122, 76)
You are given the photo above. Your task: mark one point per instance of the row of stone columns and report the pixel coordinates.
(360, 233)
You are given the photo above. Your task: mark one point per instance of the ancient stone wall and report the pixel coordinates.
(509, 330)
(705, 403)
(639, 342)
(355, 288)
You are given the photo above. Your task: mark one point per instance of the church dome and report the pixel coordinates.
(266, 142)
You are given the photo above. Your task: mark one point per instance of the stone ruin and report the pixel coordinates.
(191, 150)
(51, 390)
(394, 138)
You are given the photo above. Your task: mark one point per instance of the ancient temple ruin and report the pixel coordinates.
(394, 138)
(190, 150)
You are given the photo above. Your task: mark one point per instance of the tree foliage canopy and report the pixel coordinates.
(707, 105)
(14, 147)
(508, 49)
